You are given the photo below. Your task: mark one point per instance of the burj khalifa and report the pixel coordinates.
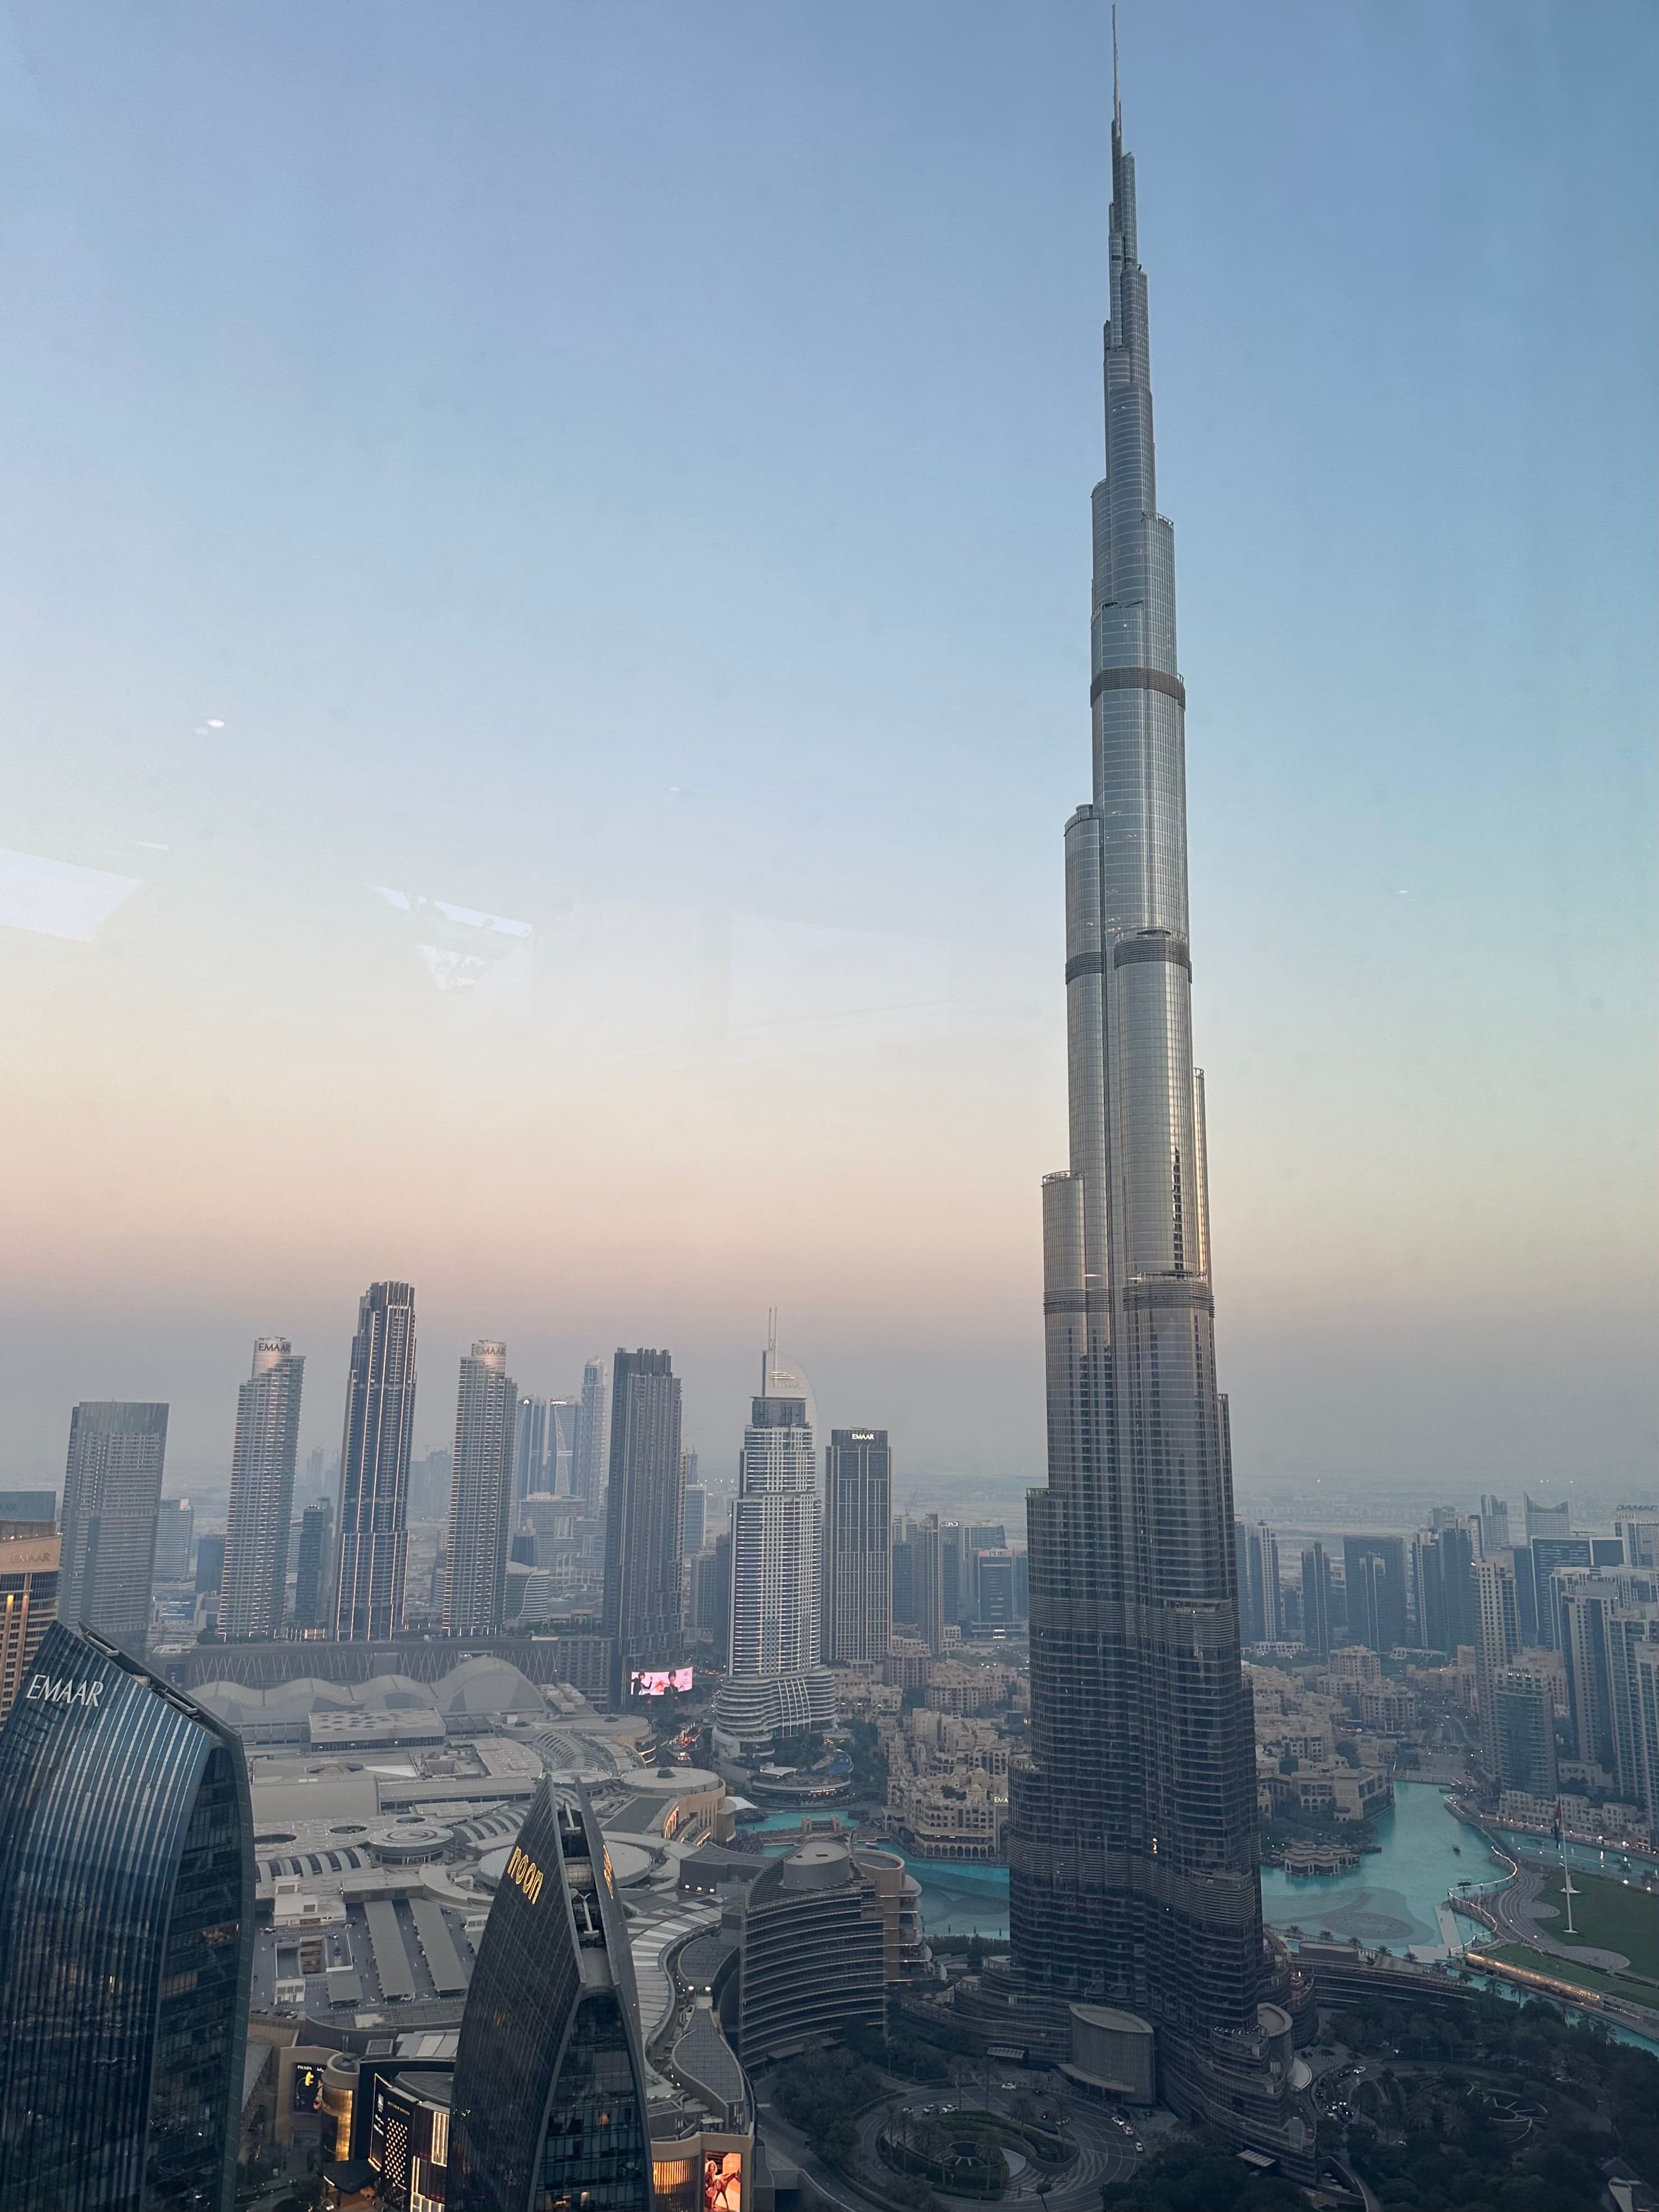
(1132, 1850)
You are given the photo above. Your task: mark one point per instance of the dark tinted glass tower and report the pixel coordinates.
(475, 1591)
(314, 1566)
(858, 1595)
(548, 2107)
(126, 1941)
(1133, 1855)
(1316, 1601)
(642, 1521)
(379, 1426)
(588, 1464)
(1374, 1573)
(255, 1580)
(112, 1495)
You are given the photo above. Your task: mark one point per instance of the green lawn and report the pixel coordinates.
(1568, 1970)
(1607, 1914)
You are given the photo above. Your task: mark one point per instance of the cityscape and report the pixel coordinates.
(575, 1816)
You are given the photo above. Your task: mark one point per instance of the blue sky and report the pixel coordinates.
(623, 470)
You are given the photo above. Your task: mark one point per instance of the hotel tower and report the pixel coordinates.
(1134, 1891)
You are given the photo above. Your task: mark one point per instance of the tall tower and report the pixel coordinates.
(261, 1492)
(475, 1590)
(858, 1581)
(642, 1556)
(587, 1465)
(112, 1496)
(379, 1428)
(1133, 1856)
(775, 1685)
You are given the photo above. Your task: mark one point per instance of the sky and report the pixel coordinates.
(543, 639)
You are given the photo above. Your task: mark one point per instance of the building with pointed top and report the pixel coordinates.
(255, 1579)
(374, 1449)
(1131, 1840)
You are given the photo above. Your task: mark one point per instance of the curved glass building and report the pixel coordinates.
(126, 1940)
(548, 2109)
(1132, 1832)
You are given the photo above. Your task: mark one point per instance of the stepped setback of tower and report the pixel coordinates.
(1133, 1852)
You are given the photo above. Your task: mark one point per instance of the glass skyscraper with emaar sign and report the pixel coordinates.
(126, 1940)
(1133, 1855)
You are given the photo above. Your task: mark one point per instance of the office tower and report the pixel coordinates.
(1427, 1605)
(1585, 1603)
(531, 1475)
(564, 1434)
(211, 1566)
(28, 1606)
(1524, 1727)
(430, 1482)
(858, 1591)
(1374, 1575)
(255, 1580)
(1133, 1859)
(1632, 1637)
(1549, 1553)
(810, 1947)
(1497, 1640)
(175, 1531)
(927, 1581)
(313, 1573)
(127, 1939)
(994, 1585)
(475, 1590)
(591, 1460)
(642, 1515)
(549, 2102)
(1519, 1559)
(375, 1449)
(953, 1585)
(1638, 1532)
(112, 1493)
(711, 1597)
(1262, 1614)
(1442, 1516)
(1316, 1601)
(776, 1684)
(694, 1508)
(1494, 1523)
(1548, 1520)
(29, 1513)
(901, 1568)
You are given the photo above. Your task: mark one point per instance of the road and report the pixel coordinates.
(1519, 1911)
(1104, 2155)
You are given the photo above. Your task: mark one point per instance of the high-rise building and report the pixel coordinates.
(28, 1606)
(374, 1449)
(1632, 1633)
(588, 1467)
(313, 1573)
(1548, 1520)
(694, 1507)
(564, 1417)
(127, 1939)
(1585, 1604)
(1316, 1601)
(1374, 1577)
(776, 1684)
(642, 1515)
(480, 1512)
(994, 1596)
(927, 1580)
(548, 2101)
(1638, 1534)
(858, 1605)
(1524, 1730)
(175, 1535)
(112, 1495)
(431, 1479)
(1494, 1523)
(711, 1599)
(1133, 1856)
(211, 1566)
(1261, 1606)
(902, 1569)
(1498, 1642)
(1549, 1553)
(811, 1952)
(531, 1475)
(261, 1492)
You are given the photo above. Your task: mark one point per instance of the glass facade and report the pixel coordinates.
(126, 1933)
(1133, 1853)
(549, 2107)
(380, 1427)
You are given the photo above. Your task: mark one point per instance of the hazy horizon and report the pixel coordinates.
(547, 661)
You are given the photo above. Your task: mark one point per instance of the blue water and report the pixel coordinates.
(1388, 1900)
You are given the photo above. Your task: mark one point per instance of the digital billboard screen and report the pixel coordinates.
(658, 1682)
(722, 2182)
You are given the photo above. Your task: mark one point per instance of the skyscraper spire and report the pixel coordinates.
(1133, 1853)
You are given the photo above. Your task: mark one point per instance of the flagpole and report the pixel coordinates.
(1567, 1889)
